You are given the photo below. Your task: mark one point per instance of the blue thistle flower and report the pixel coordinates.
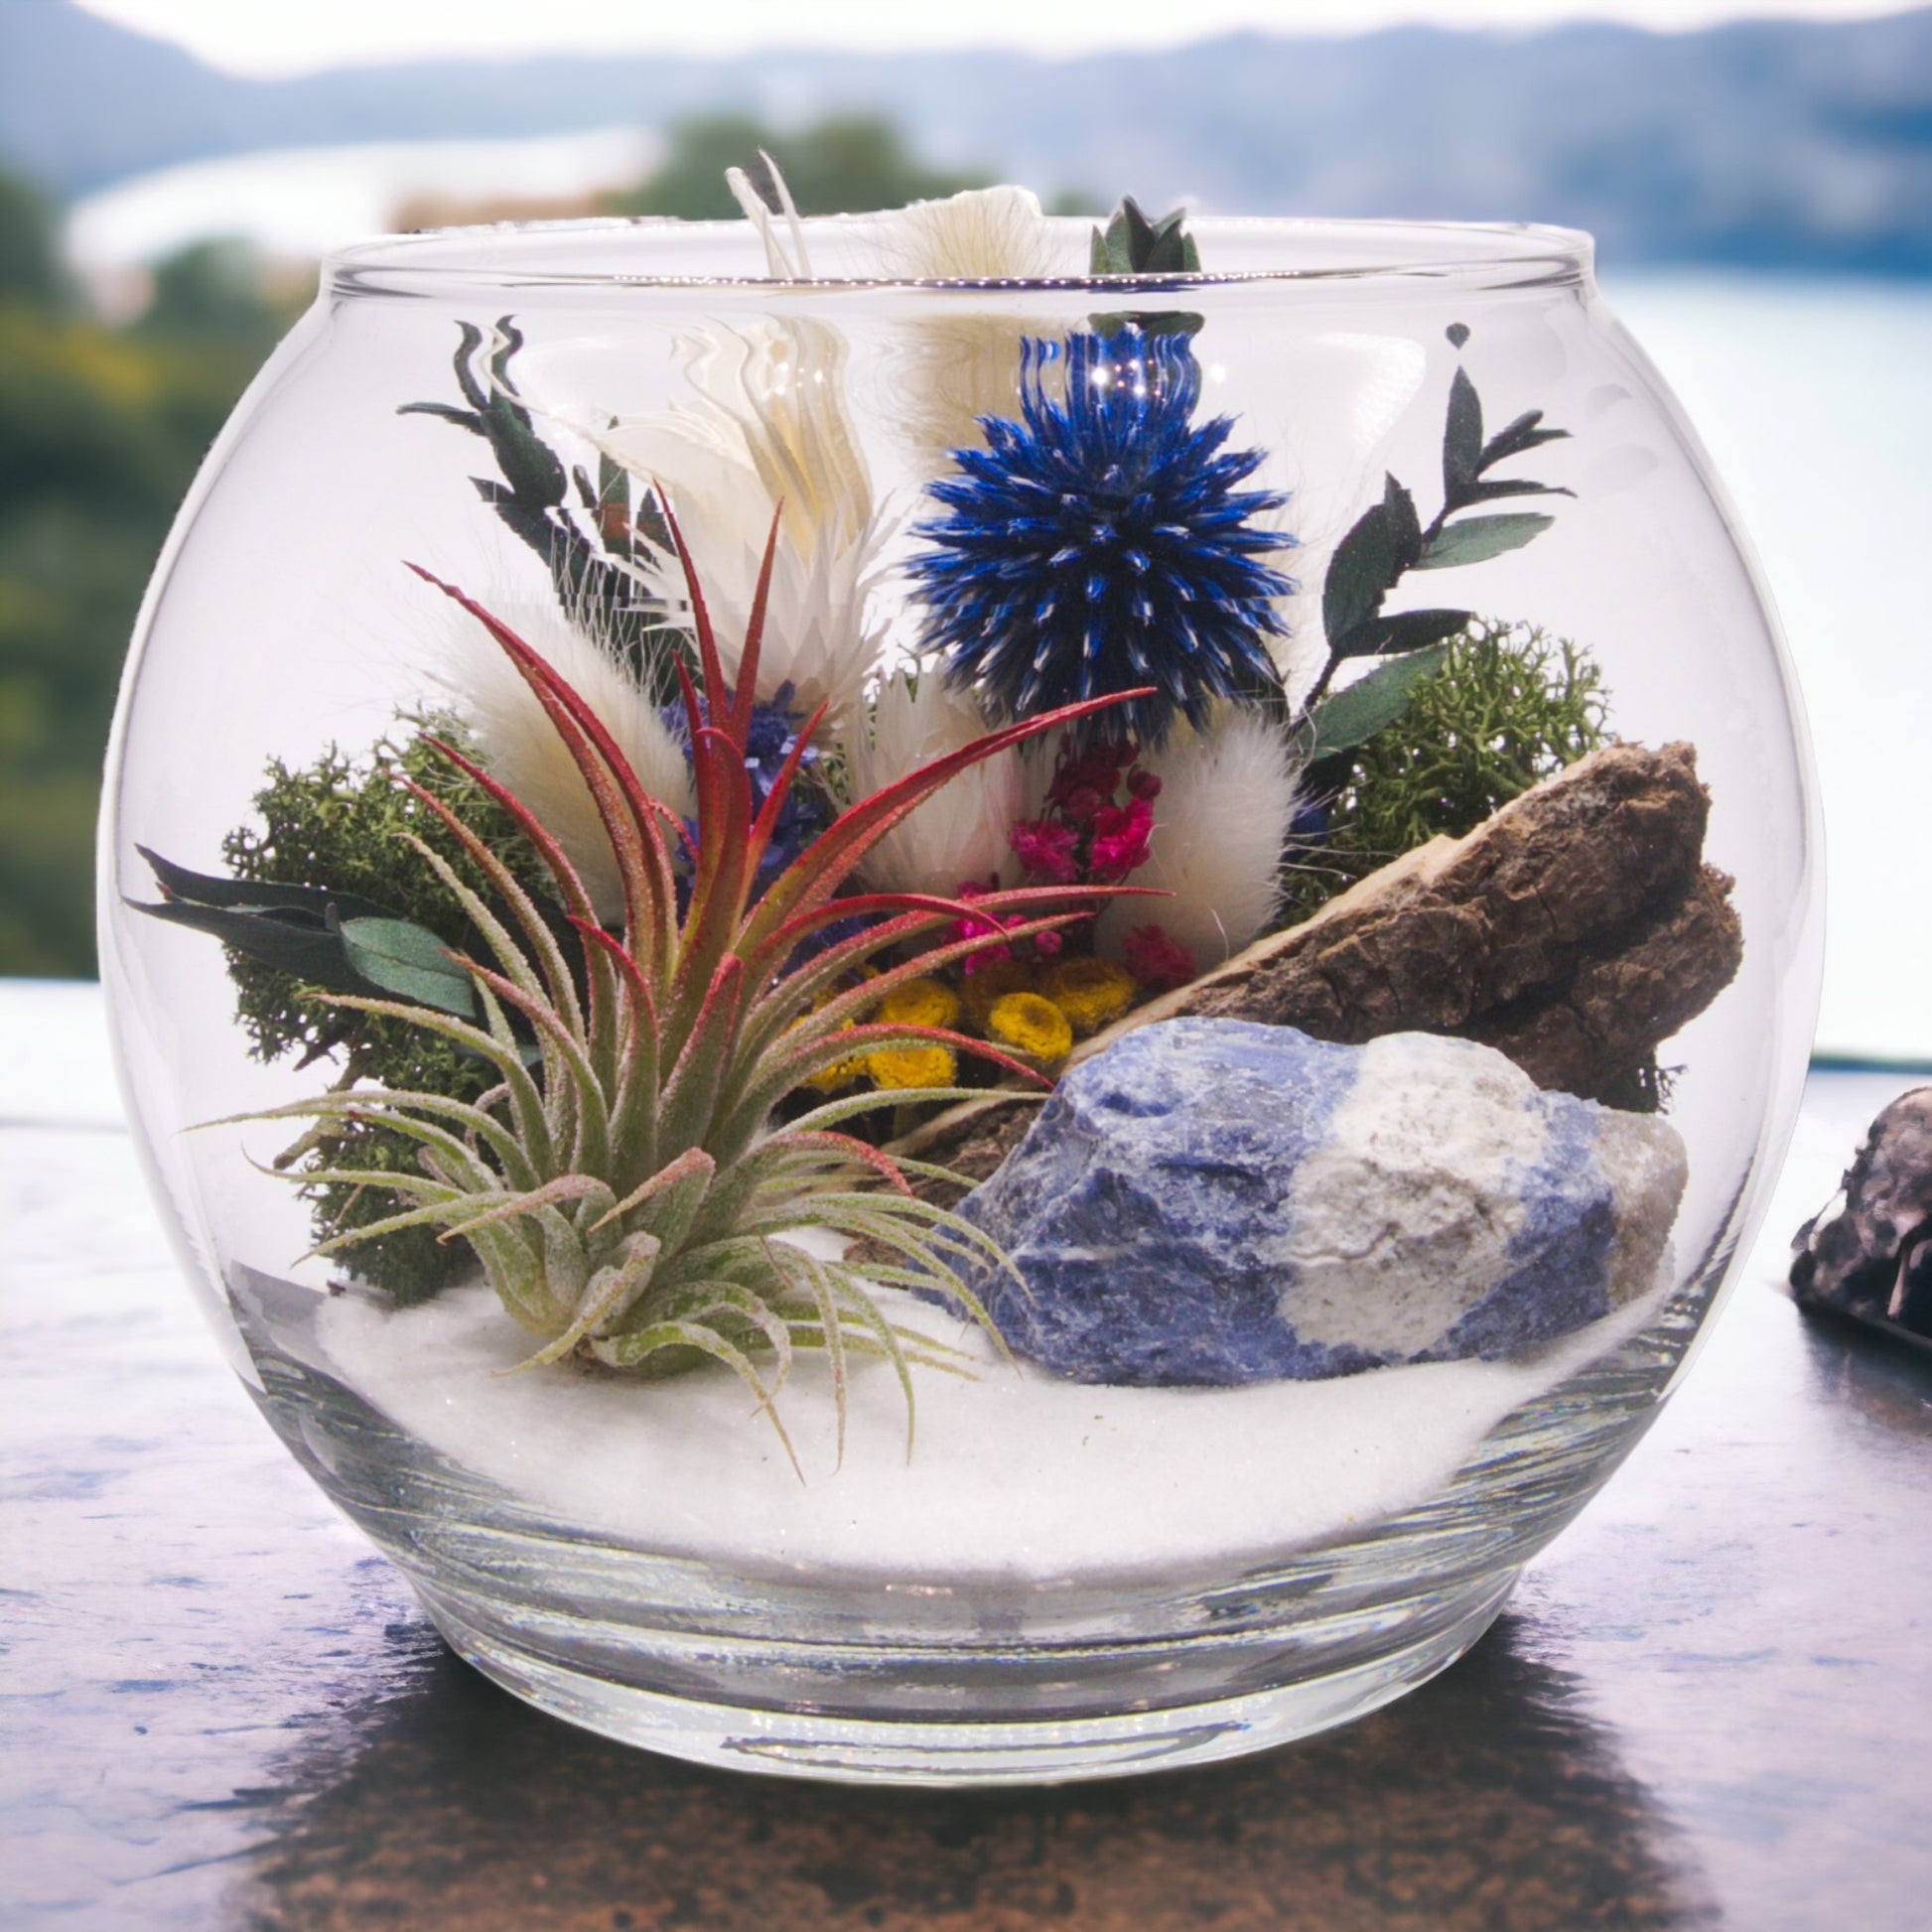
(1101, 543)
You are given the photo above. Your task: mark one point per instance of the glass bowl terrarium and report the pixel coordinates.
(945, 999)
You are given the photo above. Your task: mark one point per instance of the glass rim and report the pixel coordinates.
(524, 256)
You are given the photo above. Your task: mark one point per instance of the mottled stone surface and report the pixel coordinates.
(1869, 1253)
(1213, 1203)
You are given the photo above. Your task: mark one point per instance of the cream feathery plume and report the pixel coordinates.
(519, 744)
(959, 835)
(957, 368)
(1228, 798)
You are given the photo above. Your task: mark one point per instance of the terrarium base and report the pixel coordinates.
(863, 1750)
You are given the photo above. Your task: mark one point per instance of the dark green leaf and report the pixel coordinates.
(1341, 722)
(297, 943)
(1369, 561)
(1462, 439)
(450, 413)
(468, 341)
(409, 961)
(1134, 245)
(1478, 538)
(201, 888)
(1514, 438)
(1407, 630)
(1493, 489)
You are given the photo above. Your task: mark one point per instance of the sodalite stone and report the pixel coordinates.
(1215, 1202)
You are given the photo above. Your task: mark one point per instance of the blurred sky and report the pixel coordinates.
(285, 37)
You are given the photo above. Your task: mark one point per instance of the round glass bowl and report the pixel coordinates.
(1060, 1575)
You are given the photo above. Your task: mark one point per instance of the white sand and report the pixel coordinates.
(1014, 1475)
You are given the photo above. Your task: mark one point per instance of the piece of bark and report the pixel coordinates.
(1573, 930)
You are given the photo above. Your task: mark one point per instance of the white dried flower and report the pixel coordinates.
(1228, 797)
(519, 745)
(983, 234)
(962, 366)
(770, 429)
(960, 833)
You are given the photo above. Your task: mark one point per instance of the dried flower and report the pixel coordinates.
(1219, 824)
(922, 1002)
(1156, 960)
(1031, 1025)
(1100, 544)
(517, 744)
(1046, 851)
(962, 835)
(956, 369)
(904, 1068)
(988, 982)
(1093, 993)
(768, 435)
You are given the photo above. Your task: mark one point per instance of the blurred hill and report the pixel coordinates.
(1774, 143)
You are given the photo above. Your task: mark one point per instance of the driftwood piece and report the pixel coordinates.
(1573, 930)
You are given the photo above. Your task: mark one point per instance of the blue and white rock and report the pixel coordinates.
(1212, 1202)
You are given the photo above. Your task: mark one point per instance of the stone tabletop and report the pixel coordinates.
(1710, 1704)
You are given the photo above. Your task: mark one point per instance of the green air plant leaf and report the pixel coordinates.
(629, 1190)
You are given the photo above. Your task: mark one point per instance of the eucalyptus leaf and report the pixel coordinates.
(409, 961)
(1478, 538)
(1345, 720)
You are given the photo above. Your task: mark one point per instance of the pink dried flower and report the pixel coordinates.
(1143, 785)
(1045, 850)
(988, 929)
(1157, 960)
(1120, 836)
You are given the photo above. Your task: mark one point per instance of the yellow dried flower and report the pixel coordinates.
(1030, 1024)
(919, 1002)
(913, 1066)
(844, 1072)
(840, 1075)
(990, 983)
(1093, 993)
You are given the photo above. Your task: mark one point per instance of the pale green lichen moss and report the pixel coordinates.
(341, 823)
(1508, 707)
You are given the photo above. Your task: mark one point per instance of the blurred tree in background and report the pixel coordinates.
(101, 429)
(100, 432)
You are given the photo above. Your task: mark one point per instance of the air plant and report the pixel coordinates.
(623, 1185)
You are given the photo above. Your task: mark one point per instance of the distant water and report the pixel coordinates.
(300, 203)
(1814, 396)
